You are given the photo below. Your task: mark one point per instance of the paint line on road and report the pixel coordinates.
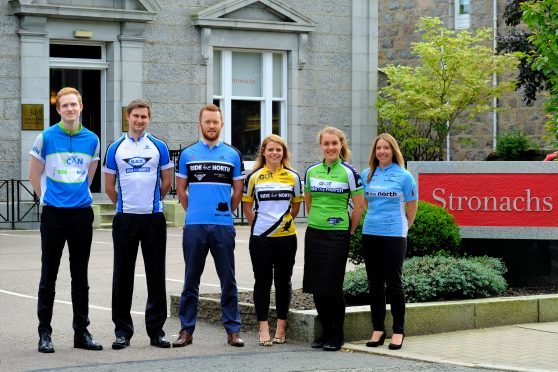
(64, 302)
(204, 284)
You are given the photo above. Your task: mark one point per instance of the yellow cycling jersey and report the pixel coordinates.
(272, 194)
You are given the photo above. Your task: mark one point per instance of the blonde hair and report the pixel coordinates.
(345, 153)
(64, 92)
(396, 157)
(285, 161)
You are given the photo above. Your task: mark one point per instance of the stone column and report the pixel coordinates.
(34, 77)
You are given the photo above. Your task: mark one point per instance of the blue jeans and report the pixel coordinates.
(197, 241)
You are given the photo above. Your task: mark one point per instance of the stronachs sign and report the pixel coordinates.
(510, 200)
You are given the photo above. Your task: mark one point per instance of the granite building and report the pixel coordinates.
(273, 66)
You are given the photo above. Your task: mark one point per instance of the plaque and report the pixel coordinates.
(32, 116)
(124, 121)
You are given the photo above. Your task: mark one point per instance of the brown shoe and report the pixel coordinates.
(184, 338)
(234, 340)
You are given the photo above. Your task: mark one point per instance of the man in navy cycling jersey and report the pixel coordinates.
(63, 162)
(208, 170)
(138, 174)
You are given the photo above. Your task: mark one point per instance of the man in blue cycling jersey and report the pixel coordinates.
(63, 162)
(208, 171)
(140, 165)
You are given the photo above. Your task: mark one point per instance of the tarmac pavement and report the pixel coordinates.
(521, 347)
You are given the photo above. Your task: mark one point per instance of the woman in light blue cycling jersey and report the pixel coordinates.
(391, 193)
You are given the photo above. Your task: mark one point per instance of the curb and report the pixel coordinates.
(421, 318)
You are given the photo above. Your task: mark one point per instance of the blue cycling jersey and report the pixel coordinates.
(137, 166)
(210, 172)
(66, 157)
(387, 192)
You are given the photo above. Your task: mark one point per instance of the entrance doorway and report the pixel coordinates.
(88, 83)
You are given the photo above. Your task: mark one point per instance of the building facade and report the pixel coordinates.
(273, 66)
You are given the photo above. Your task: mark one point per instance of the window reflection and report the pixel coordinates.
(246, 127)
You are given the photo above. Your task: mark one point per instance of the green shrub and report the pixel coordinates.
(432, 278)
(511, 145)
(356, 282)
(447, 278)
(355, 248)
(433, 232)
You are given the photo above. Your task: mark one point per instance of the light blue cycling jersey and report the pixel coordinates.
(137, 166)
(66, 157)
(387, 192)
(210, 173)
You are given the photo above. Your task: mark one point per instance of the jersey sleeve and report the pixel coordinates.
(97, 152)
(307, 181)
(38, 150)
(182, 166)
(298, 195)
(355, 182)
(164, 160)
(364, 178)
(248, 190)
(109, 165)
(410, 189)
(238, 171)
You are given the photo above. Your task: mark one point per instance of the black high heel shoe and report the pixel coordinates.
(392, 346)
(377, 343)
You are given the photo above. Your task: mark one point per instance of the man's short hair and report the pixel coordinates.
(64, 92)
(210, 107)
(138, 103)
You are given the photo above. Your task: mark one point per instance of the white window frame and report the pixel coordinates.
(462, 21)
(266, 100)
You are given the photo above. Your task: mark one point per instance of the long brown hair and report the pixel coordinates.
(345, 153)
(285, 161)
(396, 157)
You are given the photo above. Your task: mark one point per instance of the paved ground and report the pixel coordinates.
(525, 347)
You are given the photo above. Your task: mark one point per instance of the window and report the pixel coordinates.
(462, 14)
(250, 89)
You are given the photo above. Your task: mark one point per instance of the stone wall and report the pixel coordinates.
(9, 94)
(396, 33)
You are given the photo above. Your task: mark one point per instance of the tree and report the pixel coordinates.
(420, 105)
(542, 18)
(536, 52)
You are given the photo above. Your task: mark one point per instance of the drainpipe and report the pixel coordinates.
(494, 77)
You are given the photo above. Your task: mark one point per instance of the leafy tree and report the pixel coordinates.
(538, 67)
(542, 18)
(420, 105)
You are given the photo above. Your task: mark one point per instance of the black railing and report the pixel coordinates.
(174, 155)
(18, 204)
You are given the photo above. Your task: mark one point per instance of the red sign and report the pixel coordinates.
(478, 199)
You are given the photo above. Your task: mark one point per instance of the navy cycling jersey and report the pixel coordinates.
(210, 173)
(387, 194)
(137, 166)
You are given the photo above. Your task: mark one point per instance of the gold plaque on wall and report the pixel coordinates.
(124, 121)
(32, 116)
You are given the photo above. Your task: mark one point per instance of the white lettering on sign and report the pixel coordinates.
(526, 203)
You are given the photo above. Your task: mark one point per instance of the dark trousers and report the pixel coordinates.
(197, 241)
(58, 226)
(272, 260)
(331, 310)
(383, 257)
(128, 231)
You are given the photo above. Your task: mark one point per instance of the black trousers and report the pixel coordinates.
(272, 260)
(128, 231)
(383, 257)
(58, 226)
(331, 310)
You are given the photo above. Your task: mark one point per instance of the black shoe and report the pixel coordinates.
(377, 343)
(85, 341)
(396, 346)
(45, 344)
(331, 346)
(121, 342)
(318, 343)
(160, 342)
